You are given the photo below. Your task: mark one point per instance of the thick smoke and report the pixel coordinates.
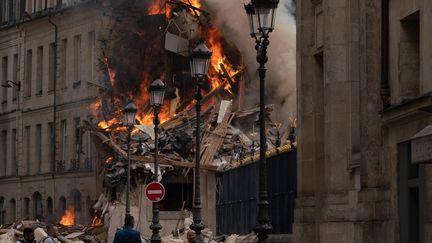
(281, 74)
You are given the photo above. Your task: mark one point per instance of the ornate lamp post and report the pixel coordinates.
(199, 63)
(129, 113)
(157, 93)
(261, 16)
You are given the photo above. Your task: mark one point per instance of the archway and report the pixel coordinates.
(12, 210)
(75, 202)
(37, 206)
(2, 211)
(61, 206)
(26, 208)
(50, 208)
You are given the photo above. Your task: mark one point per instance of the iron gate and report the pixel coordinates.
(237, 196)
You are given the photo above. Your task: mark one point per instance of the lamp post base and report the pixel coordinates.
(263, 231)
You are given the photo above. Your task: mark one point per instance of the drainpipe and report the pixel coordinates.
(18, 109)
(54, 135)
(385, 88)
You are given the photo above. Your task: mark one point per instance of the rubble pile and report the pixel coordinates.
(67, 234)
(228, 140)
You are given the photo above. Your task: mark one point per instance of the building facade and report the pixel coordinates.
(364, 90)
(49, 52)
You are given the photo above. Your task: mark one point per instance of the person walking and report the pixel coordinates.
(128, 234)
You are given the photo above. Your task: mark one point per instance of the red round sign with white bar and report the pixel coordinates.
(154, 191)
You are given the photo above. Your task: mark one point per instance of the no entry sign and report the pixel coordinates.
(155, 191)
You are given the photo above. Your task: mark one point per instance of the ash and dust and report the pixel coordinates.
(281, 67)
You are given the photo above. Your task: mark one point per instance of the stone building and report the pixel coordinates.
(44, 99)
(364, 90)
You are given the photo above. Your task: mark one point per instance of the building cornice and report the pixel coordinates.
(44, 14)
(408, 109)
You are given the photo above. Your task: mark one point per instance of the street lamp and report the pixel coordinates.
(129, 113)
(199, 64)
(261, 16)
(157, 93)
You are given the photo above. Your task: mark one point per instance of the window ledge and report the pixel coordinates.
(408, 109)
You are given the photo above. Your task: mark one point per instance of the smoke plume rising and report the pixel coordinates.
(281, 67)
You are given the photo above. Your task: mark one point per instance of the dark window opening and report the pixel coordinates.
(175, 195)
(409, 56)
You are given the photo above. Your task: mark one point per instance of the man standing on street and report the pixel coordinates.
(52, 233)
(127, 234)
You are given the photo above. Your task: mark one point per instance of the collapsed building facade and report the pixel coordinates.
(77, 64)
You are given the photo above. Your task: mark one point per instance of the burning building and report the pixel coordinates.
(77, 65)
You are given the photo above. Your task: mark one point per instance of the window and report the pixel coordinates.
(51, 145)
(4, 79)
(88, 151)
(51, 69)
(38, 144)
(77, 144)
(63, 140)
(3, 152)
(91, 55)
(14, 152)
(27, 148)
(15, 77)
(62, 205)
(2, 211)
(50, 206)
(5, 11)
(26, 208)
(409, 56)
(28, 76)
(39, 70)
(21, 8)
(12, 210)
(40, 7)
(11, 8)
(37, 205)
(176, 193)
(410, 208)
(34, 6)
(63, 64)
(77, 61)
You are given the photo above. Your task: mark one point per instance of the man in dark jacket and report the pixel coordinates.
(127, 234)
(28, 235)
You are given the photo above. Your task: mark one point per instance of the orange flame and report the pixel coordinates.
(95, 107)
(111, 73)
(109, 160)
(160, 6)
(68, 218)
(156, 7)
(96, 221)
(219, 68)
(218, 59)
